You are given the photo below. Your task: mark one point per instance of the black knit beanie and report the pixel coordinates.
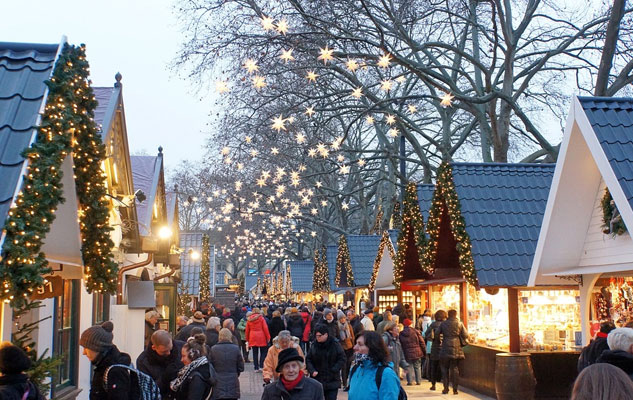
(98, 338)
(13, 360)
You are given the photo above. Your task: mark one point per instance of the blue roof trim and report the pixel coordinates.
(503, 206)
(301, 274)
(190, 269)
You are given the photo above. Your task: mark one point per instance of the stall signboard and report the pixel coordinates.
(52, 287)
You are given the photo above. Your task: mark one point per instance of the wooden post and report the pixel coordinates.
(463, 303)
(513, 320)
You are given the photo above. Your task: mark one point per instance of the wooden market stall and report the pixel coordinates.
(301, 276)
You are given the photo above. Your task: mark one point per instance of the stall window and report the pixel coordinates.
(66, 327)
(445, 297)
(488, 317)
(100, 308)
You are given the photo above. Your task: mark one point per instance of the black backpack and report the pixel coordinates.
(402, 395)
(140, 382)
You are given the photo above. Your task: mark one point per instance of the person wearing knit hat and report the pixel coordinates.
(14, 383)
(414, 349)
(347, 340)
(330, 322)
(102, 353)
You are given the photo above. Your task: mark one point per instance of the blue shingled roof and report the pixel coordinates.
(331, 253)
(24, 67)
(425, 197)
(190, 269)
(301, 273)
(250, 281)
(362, 251)
(612, 122)
(503, 206)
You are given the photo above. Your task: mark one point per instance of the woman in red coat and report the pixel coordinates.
(307, 319)
(257, 336)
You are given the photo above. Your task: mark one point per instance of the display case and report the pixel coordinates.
(488, 323)
(387, 298)
(611, 300)
(445, 297)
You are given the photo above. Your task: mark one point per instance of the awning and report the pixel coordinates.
(419, 283)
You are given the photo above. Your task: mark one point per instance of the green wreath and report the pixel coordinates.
(612, 222)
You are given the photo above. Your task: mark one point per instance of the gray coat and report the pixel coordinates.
(451, 330)
(435, 339)
(395, 351)
(307, 389)
(228, 363)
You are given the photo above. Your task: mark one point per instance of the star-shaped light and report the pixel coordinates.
(261, 182)
(361, 162)
(314, 211)
(286, 55)
(400, 79)
(345, 206)
(240, 166)
(265, 175)
(282, 26)
(228, 160)
(250, 66)
(280, 190)
(340, 158)
(412, 108)
(344, 170)
(369, 119)
(248, 139)
(357, 93)
(326, 54)
(386, 85)
(221, 87)
(259, 82)
(279, 123)
(336, 144)
(390, 119)
(301, 138)
(393, 132)
(323, 203)
(254, 153)
(312, 152)
(351, 65)
(268, 23)
(309, 111)
(274, 150)
(447, 100)
(301, 169)
(238, 185)
(384, 61)
(312, 76)
(225, 151)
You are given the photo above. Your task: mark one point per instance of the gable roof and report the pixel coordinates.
(425, 198)
(24, 67)
(301, 274)
(106, 105)
(331, 253)
(503, 207)
(190, 269)
(146, 172)
(362, 252)
(250, 281)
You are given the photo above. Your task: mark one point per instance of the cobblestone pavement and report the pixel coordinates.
(251, 388)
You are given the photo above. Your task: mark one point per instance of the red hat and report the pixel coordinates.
(407, 322)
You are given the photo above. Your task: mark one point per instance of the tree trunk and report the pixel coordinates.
(610, 44)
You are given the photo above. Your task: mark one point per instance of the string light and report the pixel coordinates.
(344, 274)
(412, 228)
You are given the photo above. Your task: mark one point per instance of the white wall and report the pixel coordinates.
(129, 329)
(85, 322)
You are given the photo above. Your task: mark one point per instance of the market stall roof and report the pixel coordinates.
(425, 197)
(301, 274)
(250, 281)
(190, 268)
(362, 252)
(503, 206)
(331, 252)
(146, 174)
(596, 152)
(419, 283)
(107, 104)
(384, 274)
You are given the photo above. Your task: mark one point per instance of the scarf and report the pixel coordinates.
(186, 371)
(359, 358)
(289, 385)
(343, 331)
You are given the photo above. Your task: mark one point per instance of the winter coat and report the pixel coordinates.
(241, 328)
(332, 328)
(618, 358)
(118, 378)
(399, 311)
(368, 325)
(413, 345)
(433, 336)
(276, 325)
(395, 350)
(327, 359)
(272, 357)
(592, 351)
(357, 327)
(380, 328)
(162, 369)
(198, 384)
(307, 319)
(296, 326)
(185, 332)
(13, 387)
(345, 330)
(257, 334)
(228, 364)
(377, 319)
(307, 389)
(451, 330)
(212, 337)
(149, 330)
(362, 383)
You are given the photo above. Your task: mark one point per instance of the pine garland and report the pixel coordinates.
(412, 224)
(67, 126)
(321, 276)
(384, 241)
(619, 228)
(204, 293)
(445, 193)
(344, 263)
(396, 218)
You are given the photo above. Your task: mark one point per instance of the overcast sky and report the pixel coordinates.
(138, 38)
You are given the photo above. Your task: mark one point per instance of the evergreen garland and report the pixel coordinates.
(204, 293)
(184, 300)
(608, 210)
(66, 126)
(344, 263)
(396, 218)
(321, 278)
(445, 193)
(412, 224)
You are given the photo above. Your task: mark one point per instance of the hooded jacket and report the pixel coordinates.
(327, 359)
(272, 357)
(618, 358)
(118, 378)
(162, 369)
(257, 334)
(296, 325)
(241, 328)
(412, 343)
(13, 387)
(362, 383)
(307, 319)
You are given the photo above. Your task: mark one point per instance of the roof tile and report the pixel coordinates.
(301, 274)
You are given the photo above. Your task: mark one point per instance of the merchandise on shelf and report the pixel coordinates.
(388, 299)
(612, 300)
(445, 297)
(488, 318)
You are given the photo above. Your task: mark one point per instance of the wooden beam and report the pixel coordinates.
(463, 302)
(513, 320)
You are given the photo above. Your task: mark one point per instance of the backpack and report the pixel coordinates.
(402, 395)
(147, 388)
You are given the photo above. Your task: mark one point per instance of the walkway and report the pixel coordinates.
(251, 388)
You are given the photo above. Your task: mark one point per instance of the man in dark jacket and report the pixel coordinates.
(354, 321)
(197, 320)
(14, 382)
(453, 335)
(330, 322)
(324, 362)
(295, 324)
(620, 343)
(593, 350)
(161, 361)
(414, 350)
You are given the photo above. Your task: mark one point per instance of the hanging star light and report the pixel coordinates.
(345, 206)
(309, 111)
(386, 85)
(326, 54)
(286, 55)
(369, 119)
(259, 82)
(312, 76)
(390, 119)
(240, 166)
(351, 65)
(228, 160)
(248, 139)
(357, 93)
(221, 87)
(301, 138)
(319, 184)
(261, 182)
(384, 61)
(312, 153)
(268, 23)
(225, 151)
(282, 26)
(412, 108)
(254, 153)
(340, 158)
(393, 132)
(361, 162)
(344, 170)
(251, 66)
(278, 123)
(323, 203)
(447, 100)
(274, 150)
